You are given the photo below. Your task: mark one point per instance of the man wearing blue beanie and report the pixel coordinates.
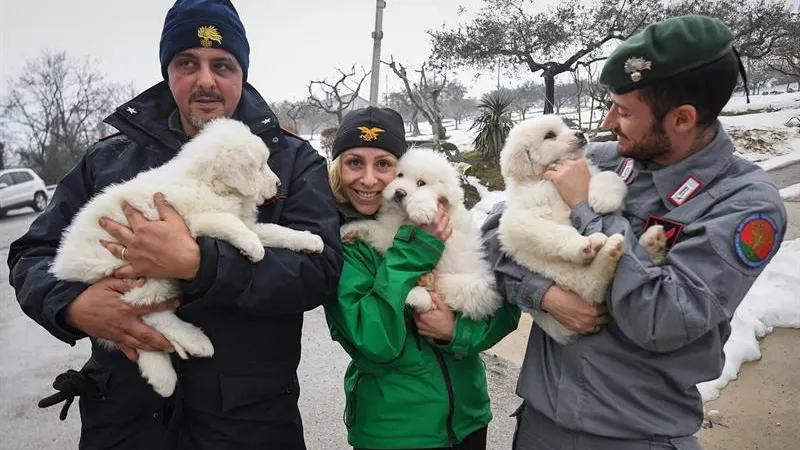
(246, 395)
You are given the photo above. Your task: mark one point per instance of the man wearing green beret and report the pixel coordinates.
(631, 384)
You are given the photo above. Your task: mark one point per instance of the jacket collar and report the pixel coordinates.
(145, 118)
(679, 182)
(347, 214)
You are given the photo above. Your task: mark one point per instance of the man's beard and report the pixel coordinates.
(655, 145)
(198, 122)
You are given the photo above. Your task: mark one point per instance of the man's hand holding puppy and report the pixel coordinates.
(154, 249)
(571, 179)
(99, 312)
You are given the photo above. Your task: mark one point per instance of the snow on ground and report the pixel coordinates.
(763, 136)
(488, 199)
(773, 101)
(773, 301)
(791, 193)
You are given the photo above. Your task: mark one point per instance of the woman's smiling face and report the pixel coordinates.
(365, 173)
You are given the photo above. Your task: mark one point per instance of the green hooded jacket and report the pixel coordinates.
(403, 391)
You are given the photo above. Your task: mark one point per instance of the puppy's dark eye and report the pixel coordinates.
(400, 175)
(550, 135)
(420, 183)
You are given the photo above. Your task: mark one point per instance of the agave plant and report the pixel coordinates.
(493, 124)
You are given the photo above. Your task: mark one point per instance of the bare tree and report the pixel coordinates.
(758, 26)
(461, 109)
(786, 57)
(526, 97)
(117, 95)
(54, 108)
(424, 95)
(316, 119)
(334, 98)
(2, 155)
(401, 102)
(327, 136)
(552, 41)
(454, 105)
(297, 110)
(596, 93)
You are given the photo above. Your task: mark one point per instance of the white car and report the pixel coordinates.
(20, 188)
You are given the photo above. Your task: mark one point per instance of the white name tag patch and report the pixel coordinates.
(626, 169)
(685, 191)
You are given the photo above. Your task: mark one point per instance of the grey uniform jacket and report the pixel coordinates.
(636, 378)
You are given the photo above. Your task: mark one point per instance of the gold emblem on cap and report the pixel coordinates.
(635, 66)
(370, 134)
(209, 34)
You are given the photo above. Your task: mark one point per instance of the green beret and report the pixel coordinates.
(664, 49)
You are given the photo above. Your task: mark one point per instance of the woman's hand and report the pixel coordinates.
(440, 225)
(438, 323)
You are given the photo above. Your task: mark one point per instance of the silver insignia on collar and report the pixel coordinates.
(635, 66)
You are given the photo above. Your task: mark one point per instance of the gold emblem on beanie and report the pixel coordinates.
(370, 134)
(207, 34)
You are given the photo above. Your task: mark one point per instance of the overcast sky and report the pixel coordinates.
(291, 41)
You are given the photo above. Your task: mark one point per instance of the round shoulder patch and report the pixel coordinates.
(755, 239)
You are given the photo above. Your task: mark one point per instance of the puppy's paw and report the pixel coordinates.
(253, 250)
(421, 212)
(613, 248)
(156, 368)
(607, 193)
(163, 382)
(200, 347)
(419, 299)
(187, 339)
(654, 241)
(427, 281)
(349, 237)
(591, 245)
(352, 232)
(308, 242)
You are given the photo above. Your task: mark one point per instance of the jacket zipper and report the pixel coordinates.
(451, 435)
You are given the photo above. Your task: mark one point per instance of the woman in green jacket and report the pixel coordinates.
(416, 380)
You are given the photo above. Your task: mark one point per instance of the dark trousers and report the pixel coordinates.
(535, 431)
(475, 441)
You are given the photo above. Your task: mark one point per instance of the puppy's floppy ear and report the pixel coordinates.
(515, 163)
(237, 168)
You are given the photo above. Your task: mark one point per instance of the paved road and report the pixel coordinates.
(30, 358)
(786, 175)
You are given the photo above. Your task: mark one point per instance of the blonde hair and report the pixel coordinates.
(335, 177)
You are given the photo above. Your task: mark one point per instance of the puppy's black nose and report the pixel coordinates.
(278, 183)
(399, 194)
(581, 137)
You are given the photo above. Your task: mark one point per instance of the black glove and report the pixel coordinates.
(69, 385)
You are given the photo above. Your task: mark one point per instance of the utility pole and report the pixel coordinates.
(498, 74)
(377, 35)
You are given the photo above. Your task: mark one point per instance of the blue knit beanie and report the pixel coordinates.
(203, 23)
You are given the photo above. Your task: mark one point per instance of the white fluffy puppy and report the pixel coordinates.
(216, 183)
(535, 228)
(462, 276)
